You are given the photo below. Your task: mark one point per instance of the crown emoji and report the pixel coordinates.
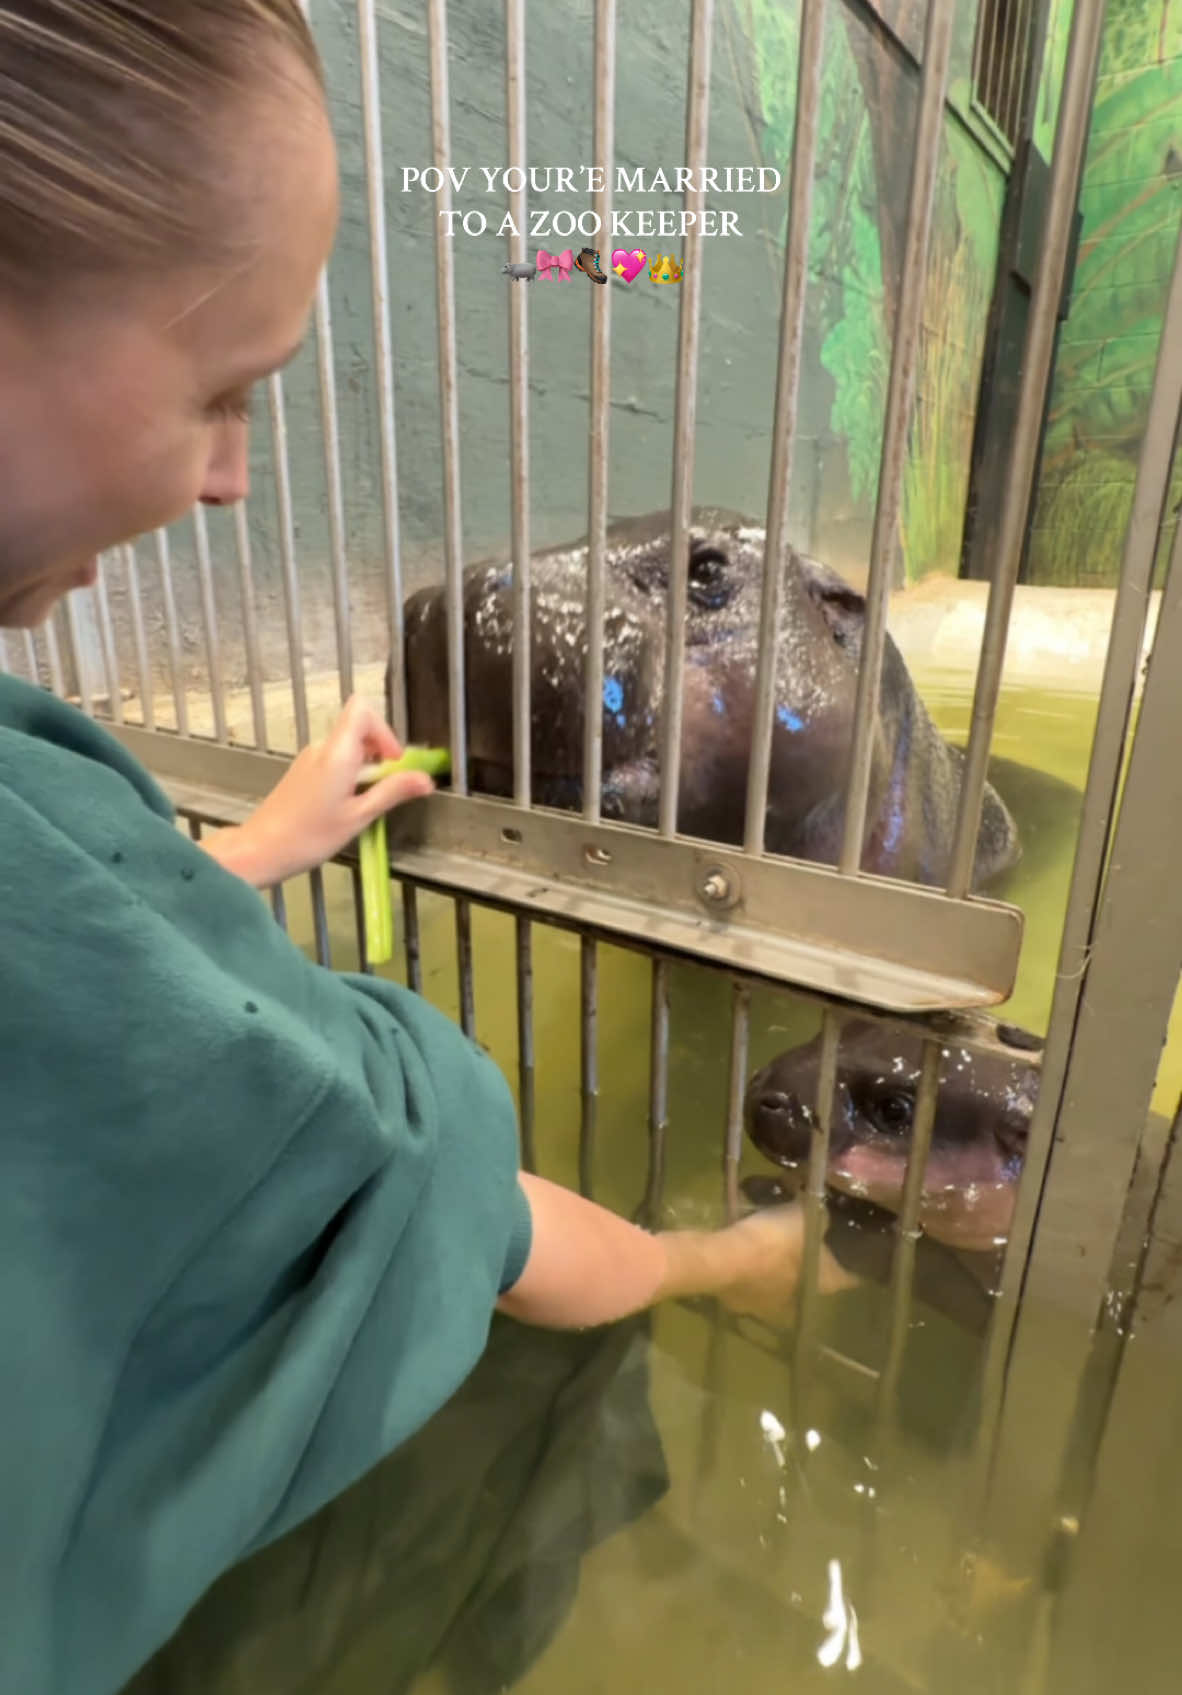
(665, 269)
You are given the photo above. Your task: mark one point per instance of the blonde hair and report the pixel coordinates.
(114, 119)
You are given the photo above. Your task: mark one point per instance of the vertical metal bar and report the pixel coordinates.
(519, 399)
(250, 626)
(525, 1041)
(1013, 109)
(907, 1231)
(816, 1215)
(5, 664)
(209, 624)
(589, 1062)
(279, 906)
(287, 554)
(658, 1097)
(56, 675)
(410, 937)
(445, 296)
(991, 78)
(31, 660)
(172, 628)
(1062, 195)
(900, 396)
(804, 155)
(142, 664)
(78, 656)
(371, 105)
(330, 428)
(320, 917)
(107, 642)
(359, 919)
(603, 150)
(464, 963)
(196, 829)
(737, 1086)
(685, 413)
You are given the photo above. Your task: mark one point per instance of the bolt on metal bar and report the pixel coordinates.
(78, 658)
(359, 920)
(320, 917)
(900, 398)
(331, 433)
(410, 936)
(1046, 295)
(588, 1061)
(209, 624)
(250, 625)
(658, 1096)
(371, 107)
(449, 405)
(603, 149)
(142, 664)
(907, 1234)
(804, 156)
(519, 400)
(172, 632)
(287, 555)
(526, 1078)
(53, 653)
(279, 906)
(107, 643)
(685, 412)
(736, 1089)
(464, 963)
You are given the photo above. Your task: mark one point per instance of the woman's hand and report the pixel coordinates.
(315, 809)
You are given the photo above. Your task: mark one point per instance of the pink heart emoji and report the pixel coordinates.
(628, 265)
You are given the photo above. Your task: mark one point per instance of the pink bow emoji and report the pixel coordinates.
(563, 262)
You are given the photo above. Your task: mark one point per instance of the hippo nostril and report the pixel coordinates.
(775, 1101)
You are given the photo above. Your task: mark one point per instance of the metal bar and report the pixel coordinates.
(172, 629)
(320, 917)
(991, 77)
(142, 664)
(685, 413)
(737, 1085)
(526, 1079)
(865, 939)
(907, 1234)
(196, 829)
(519, 400)
(371, 103)
(250, 625)
(107, 643)
(1013, 110)
(589, 1062)
(359, 918)
(658, 1097)
(804, 155)
(330, 429)
(410, 937)
(603, 150)
(1062, 195)
(5, 663)
(449, 405)
(77, 649)
(31, 660)
(209, 624)
(464, 964)
(816, 1214)
(900, 399)
(56, 674)
(279, 906)
(287, 555)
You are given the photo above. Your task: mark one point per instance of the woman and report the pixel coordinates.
(254, 1217)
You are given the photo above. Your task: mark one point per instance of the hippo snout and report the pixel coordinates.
(778, 1121)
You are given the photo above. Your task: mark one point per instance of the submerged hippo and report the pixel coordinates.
(915, 774)
(989, 1077)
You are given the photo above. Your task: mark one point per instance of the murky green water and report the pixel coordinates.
(801, 1541)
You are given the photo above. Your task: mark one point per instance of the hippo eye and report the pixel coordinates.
(891, 1113)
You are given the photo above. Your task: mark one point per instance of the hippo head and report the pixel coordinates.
(988, 1086)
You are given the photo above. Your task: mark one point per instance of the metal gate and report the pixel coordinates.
(862, 942)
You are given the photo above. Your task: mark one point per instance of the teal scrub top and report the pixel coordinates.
(254, 1214)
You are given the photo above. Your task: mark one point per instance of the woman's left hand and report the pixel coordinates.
(315, 809)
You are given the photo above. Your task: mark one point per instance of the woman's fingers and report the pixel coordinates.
(391, 792)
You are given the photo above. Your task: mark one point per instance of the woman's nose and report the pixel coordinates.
(227, 476)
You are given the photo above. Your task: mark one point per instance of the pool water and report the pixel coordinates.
(796, 1540)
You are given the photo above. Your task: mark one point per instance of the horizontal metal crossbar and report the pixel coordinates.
(864, 939)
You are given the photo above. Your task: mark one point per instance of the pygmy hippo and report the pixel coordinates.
(988, 1085)
(915, 774)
